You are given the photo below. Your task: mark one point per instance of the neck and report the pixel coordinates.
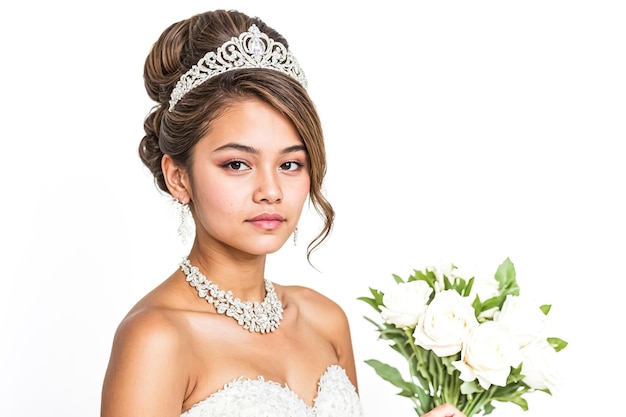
(243, 275)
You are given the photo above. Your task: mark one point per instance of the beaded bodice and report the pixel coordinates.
(336, 397)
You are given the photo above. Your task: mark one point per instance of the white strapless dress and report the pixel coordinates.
(336, 397)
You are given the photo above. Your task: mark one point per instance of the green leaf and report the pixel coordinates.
(427, 276)
(505, 275)
(515, 375)
(398, 279)
(546, 308)
(372, 302)
(378, 326)
(393, 333)
(459, 285)
(557, 344)
(378, 296)
(393, 376)
(468, 288)
(521, 402)
(493, 302)
(488, 407)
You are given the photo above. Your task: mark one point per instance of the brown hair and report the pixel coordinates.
(176, 133)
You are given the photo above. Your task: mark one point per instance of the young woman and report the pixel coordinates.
(236, 140)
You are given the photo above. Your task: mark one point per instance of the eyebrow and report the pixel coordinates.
(255, 151)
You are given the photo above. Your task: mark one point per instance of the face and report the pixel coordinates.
(250, 180)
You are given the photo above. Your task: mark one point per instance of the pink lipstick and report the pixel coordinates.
(267, 221)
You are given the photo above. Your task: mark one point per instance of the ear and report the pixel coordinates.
(177, 180)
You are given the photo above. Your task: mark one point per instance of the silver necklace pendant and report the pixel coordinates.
(263, 317)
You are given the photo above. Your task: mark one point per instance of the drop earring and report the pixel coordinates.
(184, 231)
(295, 236)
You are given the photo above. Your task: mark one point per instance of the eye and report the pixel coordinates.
(236, 165)
(291, 166)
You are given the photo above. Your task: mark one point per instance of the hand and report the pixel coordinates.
(444, 410)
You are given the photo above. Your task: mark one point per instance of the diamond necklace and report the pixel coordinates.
(257, 317)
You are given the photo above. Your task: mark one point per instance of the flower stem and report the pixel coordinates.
(420, 372)
(477, 402)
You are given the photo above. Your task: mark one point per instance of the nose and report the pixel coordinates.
(268, 189)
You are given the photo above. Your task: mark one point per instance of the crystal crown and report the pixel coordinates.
(252, 49)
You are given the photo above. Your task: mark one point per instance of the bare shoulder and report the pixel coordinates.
(149, 329)
(314, 304)
(147, 348)
(155, 325)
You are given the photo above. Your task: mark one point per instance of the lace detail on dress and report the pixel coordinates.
(336, 397)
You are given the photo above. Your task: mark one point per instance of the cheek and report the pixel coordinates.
(305, 187)
(300, 195)
(217, 211)
(216, 199)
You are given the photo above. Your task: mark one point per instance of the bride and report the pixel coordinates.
(235, 139)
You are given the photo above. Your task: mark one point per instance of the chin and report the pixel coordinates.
(267, 247)
(267, 250)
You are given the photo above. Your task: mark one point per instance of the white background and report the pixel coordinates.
(457, 131)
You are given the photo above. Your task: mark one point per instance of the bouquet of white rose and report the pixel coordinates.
(467, 342)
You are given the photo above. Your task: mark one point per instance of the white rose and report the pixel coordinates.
(445, 324)
(488, 354)
(484, 288)
(523, 318)
(541, 367)
(405, 303)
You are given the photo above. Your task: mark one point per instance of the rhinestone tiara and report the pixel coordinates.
(252, 49)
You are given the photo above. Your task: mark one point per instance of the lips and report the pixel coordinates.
(267, 221)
